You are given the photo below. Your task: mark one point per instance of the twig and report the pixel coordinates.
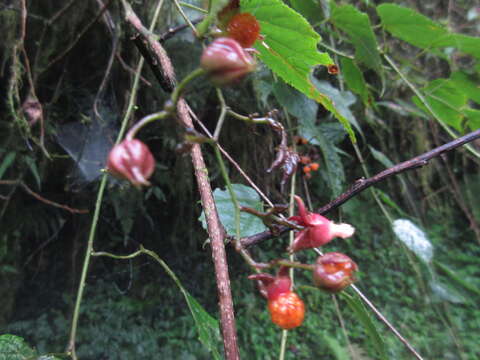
(363, 184)
(77, 38)
(217, 235)
(41, 198)
(215, 228)
(173, 31)
(155, 49)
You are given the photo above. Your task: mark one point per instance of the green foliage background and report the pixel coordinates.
(409, 75)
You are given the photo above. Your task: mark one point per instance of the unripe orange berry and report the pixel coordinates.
(287, 310)
(314, 166)
(307, 169)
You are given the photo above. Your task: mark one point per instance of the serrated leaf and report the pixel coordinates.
(15, 348)
(419, 30)
(207, 326)
(357, 26)
(310, 9)
(342, 99)
(446, 100)
(295, 102)
(362, 315)
(246, 196)
(354, 78)
(410, 26)
(414, 239)
(289, 49)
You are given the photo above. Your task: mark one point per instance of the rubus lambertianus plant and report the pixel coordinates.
(318, 229)
(286, 308)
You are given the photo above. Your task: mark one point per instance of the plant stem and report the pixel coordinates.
(180, 88)
(98, 205)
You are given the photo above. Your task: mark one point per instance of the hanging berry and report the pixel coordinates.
(244, 28)
(286, 308)
(131, 160)
(226, 62)
(334, 271)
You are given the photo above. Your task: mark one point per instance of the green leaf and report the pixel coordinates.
(465, 83)
(337, 349)
(34, 170)
(207, 326)
(354, 78)
(410, 26)
(310, 9)
(15, 348)
(7, 161)
(342, 99)
(456, 278)
(295, 102)
(446, 100)
(289, 49)
(246, 196)
(419, 30)
(357, 26)
(473, 118)
(381, 157)
(362, 315)
(324, 138)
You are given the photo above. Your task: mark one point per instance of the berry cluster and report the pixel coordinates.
(308, 166)
(332, 272)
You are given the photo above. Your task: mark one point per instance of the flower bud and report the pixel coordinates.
(131, 160)
(318, 229)
(225, 61)
(334, 271)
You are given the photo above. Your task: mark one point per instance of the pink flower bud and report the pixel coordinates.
(131, 160)
(334, 272)
(226, 61)
(318, 229)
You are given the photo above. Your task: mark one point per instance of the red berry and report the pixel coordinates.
(131, 160)
(225, 61)
(332, 69)
(287, 310)
(334, 272)
(244, 28)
